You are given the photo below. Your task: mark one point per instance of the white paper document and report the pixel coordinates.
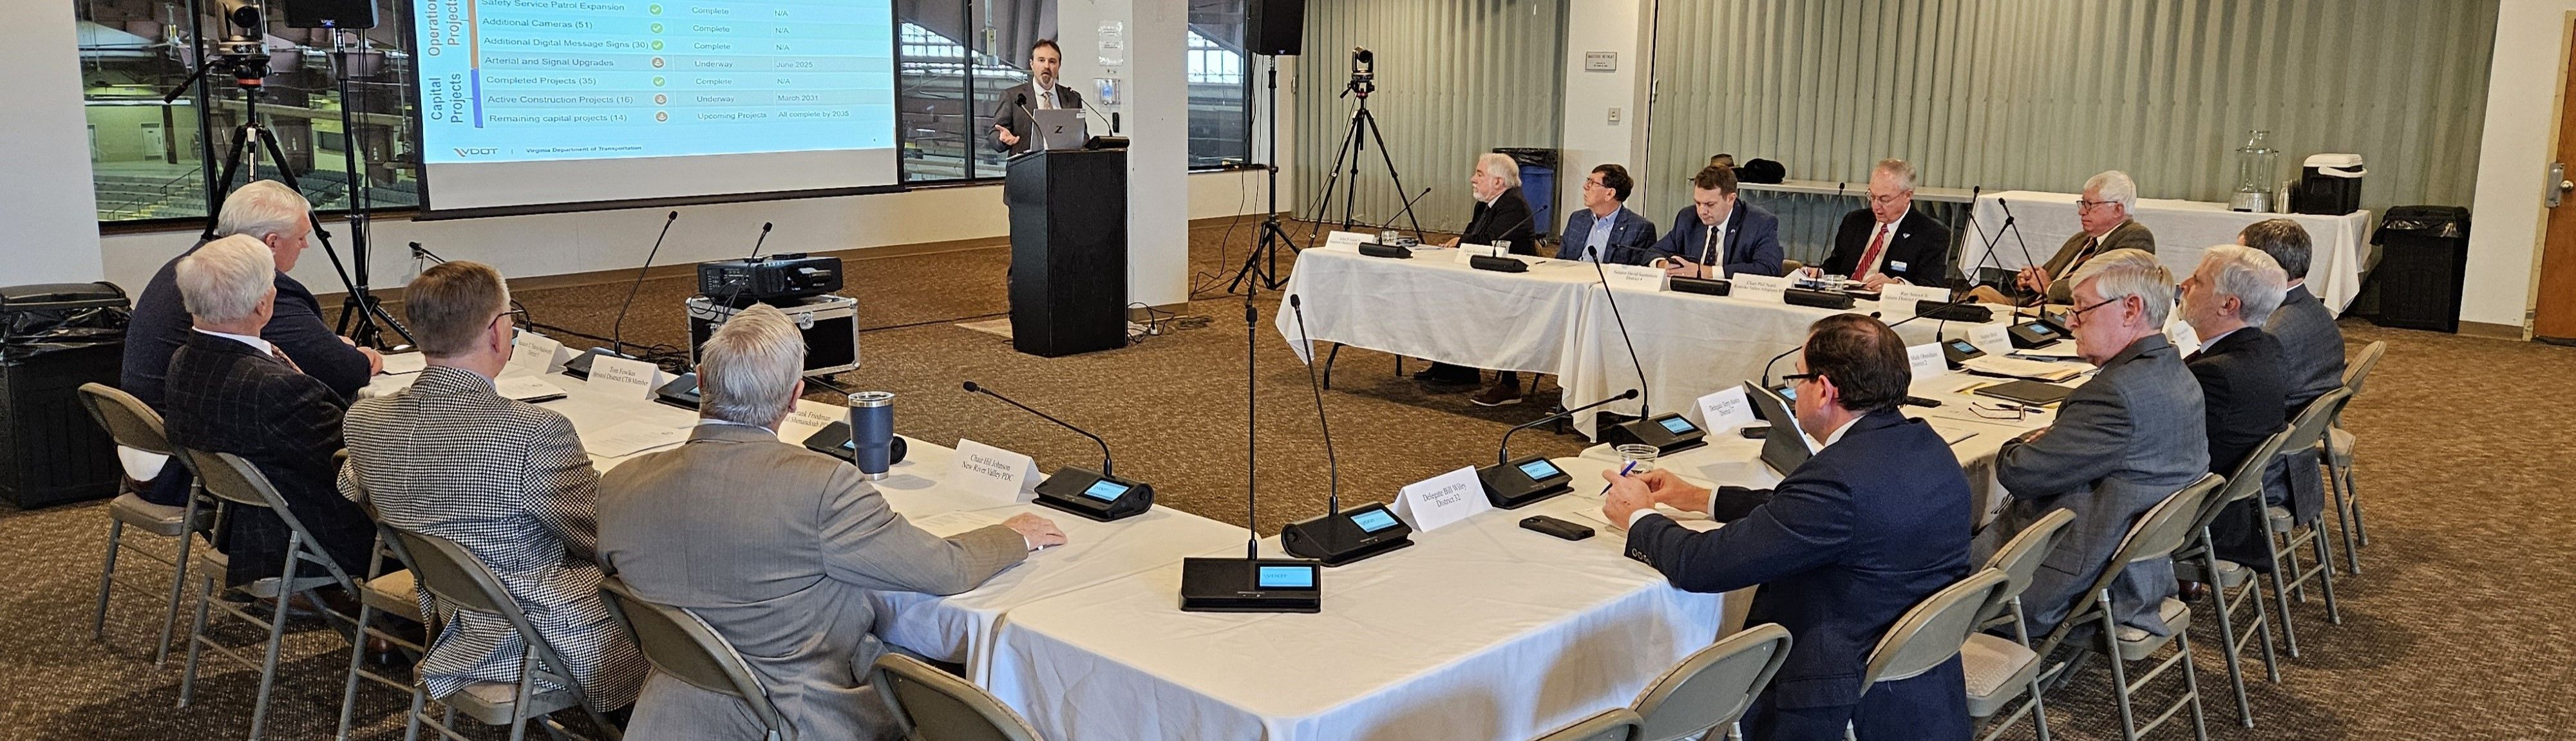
(953, 524)
(2022, 368)
(630, 437)
(527, 388)
(997, 477)
(405, 363)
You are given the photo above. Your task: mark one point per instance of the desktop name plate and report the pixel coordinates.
(1094, 495)
(1524, 481)
(1251, 585)
(1669, 432)
(834, 440)
(1354, 534)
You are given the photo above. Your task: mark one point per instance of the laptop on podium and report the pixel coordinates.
(1061, 128)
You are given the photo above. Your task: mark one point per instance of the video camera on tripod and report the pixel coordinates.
(1363, 73)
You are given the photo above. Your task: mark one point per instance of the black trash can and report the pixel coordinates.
(1538, 184)
(2424, 253)
(53, 338)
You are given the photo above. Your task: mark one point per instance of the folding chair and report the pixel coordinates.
(930, 704)
(394, 593)
(1712, 687)
(1616, 724)
(2338, 455)
(2232, 582)
(1932, 631)
(133, 425)
(2156, 534)
(1999, 670)
(454, 578)
(237, 483)
(679, 644)
(2286, 533)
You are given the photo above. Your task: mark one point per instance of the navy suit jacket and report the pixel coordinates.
(1919, 253)
(1507, 222)
(1632, 237)
(228, 398)
(1845, 545)
(160, 325)
(2312, 361)
(1751, 243)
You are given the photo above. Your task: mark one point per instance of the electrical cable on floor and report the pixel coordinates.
(1243, 193)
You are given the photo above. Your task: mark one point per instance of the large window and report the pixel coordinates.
(953, 60)
(150, 155)
(1221, 85)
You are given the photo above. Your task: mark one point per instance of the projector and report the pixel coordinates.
(740, 282)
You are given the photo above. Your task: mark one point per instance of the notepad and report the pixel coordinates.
(630, 437)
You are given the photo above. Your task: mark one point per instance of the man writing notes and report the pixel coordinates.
(2226, 301)
(1890, 241)
(1604, 230)
(1876, 521)
(2311, 357)
(1011, 131)
(775, 547)
(2104, 211)
(1719, 235)
(2122, 442)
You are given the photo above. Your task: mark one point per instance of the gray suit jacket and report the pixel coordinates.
(2121, 443)
(2129, 235)
(774, 545)
(1006, 112)
(2312, 358)
(509, 482)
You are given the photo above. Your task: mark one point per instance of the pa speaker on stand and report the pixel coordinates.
(1275, 28)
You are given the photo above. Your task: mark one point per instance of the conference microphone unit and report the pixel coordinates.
(579, 367)
(1389, 251)
(1647, 426)
(1338, 537)
(1702, 286)
(1251, 583)
(1100, 495)
(1836, 300)
(1497, 264)
(1513, 483)
(617, 331)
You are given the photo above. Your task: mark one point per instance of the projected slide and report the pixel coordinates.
(680, 83)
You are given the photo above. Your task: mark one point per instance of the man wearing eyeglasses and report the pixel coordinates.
(2104, 211)
(1604, 230)
(2121, 443)
(1889, 241)
(1876, 521)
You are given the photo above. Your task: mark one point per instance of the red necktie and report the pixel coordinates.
(281, 357)
(1869, 258)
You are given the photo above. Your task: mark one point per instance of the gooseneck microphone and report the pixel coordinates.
(756, 243)
(1594, 256)
(1504, 453)
(1105, 469)
(1337, 537)
(617, 332)
(1333, 495)
(1408, 206)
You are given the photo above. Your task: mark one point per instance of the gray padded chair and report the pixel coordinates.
(2157, 534)
(2234, 584)
(2337, 451)
(1998, 669)
(679, 644)
(2289, 578)
(930, 704)
(133, 425)
(238, 483)
(456, 579)
(1712, 687)
(1618, 724)
(1932, 632)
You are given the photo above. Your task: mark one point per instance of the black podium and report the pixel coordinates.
(1068, 251)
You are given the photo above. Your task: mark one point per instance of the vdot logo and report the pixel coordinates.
(476, 151)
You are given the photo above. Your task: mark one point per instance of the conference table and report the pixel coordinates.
(2183, 229)
(1557, 319)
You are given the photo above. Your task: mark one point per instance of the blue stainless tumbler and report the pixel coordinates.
(872, 433)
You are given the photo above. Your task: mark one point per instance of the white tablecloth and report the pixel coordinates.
(1430, 307)
(2184, 229)
(1482, 630)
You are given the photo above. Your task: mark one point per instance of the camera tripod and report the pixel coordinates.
(1262, 266)
(1363, 128)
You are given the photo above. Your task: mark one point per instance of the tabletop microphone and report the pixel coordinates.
(1337, 537)
(1643, 407)
(1513, 483)
(1408, 206)
(1022, 101)
(617, 332)
(1100, 496)
(1668, 432)
(1252, 583)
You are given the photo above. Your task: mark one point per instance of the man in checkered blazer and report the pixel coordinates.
(506, 480)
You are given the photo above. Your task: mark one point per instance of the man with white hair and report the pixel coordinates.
(2242, 386)
(1502, 217)
(1889, 241)
(775, 547)
(277, 218)
(2105, 211)
(2120, 443)
(232, 392)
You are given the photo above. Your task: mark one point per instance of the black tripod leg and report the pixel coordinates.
(1392, 175)
(232, 164)
(362, 328)
(1333, 177)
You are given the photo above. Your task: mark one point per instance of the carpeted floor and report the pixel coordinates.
(2453, 631)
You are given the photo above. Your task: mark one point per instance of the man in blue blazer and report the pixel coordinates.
(1604, 230)
(1719, 235)
(1878, 520)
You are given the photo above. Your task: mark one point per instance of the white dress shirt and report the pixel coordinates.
(255, 343)
(1885, 231)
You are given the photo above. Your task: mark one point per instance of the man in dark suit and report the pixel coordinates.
(277, 217)
(2121, 443)
(1604, 230)
(1010, 132)
(2226, 301)
(1875, 522)
(2311, 357)
(1501, 217)
(229, 391)
(1889, 240)
(1719, 235)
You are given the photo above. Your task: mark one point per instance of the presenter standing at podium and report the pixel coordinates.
(1011, 131)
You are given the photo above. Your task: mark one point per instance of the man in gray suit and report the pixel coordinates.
(1011, 132)
(2121, 443)
(506, 480)
(2311, 354)
(774, 546)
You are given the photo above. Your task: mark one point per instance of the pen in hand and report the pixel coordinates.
(1623, 473)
